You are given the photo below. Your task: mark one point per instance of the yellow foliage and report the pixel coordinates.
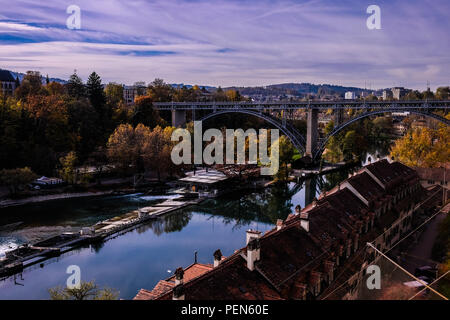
(423, 147)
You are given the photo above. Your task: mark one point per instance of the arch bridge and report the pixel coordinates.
(279, 113)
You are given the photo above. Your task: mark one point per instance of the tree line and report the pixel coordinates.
(49, 128)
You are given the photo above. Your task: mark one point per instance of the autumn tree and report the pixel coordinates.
(125, 147)
(286, 152)
(160, 91)
(31, 85)
(157, 151)
(144, 112)
(443, 93)
(113, 93)
(67, 171)
(423, 147)
(233, 95)
(86, 291)
(55, 88)
(14, 179)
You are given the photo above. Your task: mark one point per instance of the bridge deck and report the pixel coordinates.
(290, 105)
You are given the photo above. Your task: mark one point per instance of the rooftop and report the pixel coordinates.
(293, 259)
(5, 75)
(204, 177)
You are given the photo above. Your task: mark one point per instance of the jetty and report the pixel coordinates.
(29, 254)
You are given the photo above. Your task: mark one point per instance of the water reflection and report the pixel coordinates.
(141, 257)
(172, 222)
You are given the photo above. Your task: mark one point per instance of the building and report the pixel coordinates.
(205, 182)
(433, 176)
(320, 252)
(387, 94)
(131, 92)
(7, 82)
(399, 92)
(349, 95)
(184, 275)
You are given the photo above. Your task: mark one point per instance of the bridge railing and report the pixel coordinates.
(289, 105)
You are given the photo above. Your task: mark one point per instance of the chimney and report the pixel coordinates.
(252, 234)
(179, 273)
(217, 257)
(298, 208)
(304, 221)
(178, 292)
(279, 224)
(253, 253)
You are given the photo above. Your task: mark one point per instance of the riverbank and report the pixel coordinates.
(58, 196)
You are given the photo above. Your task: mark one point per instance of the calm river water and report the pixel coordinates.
(140, 258)
(151, 252)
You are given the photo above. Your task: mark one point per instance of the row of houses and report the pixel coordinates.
(396, 93)
(315, 250)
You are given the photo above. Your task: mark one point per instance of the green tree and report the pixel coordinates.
(76, 87)
(87, 291)
(95, 93)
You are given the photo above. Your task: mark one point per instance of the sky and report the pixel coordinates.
(230, 42)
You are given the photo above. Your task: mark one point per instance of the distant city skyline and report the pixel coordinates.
(232, 43)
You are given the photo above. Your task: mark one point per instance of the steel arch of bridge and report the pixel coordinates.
(339, 128)
(288, 130)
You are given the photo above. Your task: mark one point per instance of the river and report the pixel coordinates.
(139, 258)
(152, 251)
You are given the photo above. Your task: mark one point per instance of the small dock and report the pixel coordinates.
(28, 254)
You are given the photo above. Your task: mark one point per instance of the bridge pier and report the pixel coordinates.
(310, 190)
(178, 118)
(338, 118)
(312, 131)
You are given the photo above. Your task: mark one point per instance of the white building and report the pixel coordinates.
(349, 95)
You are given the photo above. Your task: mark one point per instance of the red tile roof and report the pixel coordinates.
(193, 271)
(366, 186)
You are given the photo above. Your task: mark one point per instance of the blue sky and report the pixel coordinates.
(228, 42)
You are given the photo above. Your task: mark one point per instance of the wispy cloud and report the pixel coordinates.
(231, 42)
